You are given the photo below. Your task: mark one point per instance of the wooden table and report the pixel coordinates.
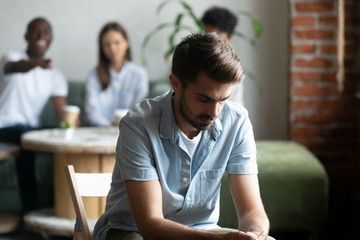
(87, 149)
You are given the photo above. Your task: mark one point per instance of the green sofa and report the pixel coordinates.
(294, 189)
(293, 183)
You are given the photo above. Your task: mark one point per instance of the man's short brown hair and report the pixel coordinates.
(209, 53)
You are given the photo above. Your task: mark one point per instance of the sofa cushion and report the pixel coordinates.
(158, 87)
(293, 185)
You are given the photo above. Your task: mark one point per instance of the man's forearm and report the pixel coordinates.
(249, 207)
(26, 65)
(20, 66)
(160, 228)
(145, 198)
(59, 103)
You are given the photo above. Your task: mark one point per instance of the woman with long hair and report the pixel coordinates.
(116, 82)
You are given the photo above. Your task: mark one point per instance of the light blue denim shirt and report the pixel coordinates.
(150, 148)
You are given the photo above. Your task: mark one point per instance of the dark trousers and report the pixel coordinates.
(25, 166)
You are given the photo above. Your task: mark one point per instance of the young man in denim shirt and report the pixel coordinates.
(174, 149)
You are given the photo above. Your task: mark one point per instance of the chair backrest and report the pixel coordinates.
(89, 185)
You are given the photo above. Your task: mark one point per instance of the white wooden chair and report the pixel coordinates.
(85, 185)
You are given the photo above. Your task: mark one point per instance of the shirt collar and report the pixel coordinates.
(169, 128)
(114, 74)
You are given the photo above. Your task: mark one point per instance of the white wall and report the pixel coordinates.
(76, 24)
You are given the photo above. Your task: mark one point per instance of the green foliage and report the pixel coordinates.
(64, 125)
(178, 25)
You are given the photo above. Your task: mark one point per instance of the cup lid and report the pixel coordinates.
(72, 108)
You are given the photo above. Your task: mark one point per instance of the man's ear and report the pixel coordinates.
(175, 82)
(26, 37)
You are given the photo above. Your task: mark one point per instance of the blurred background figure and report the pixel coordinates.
(116, 82)
(27, 82)
(223, 22)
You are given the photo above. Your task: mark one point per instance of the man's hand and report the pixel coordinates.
(45, 63)
(239, 235)
(258, 236)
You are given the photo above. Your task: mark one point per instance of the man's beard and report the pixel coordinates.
(184, 110)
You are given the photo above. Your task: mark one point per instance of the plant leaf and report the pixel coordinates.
(191, 13)
(171, 41)
(148, 37)
(178, 19)
(200, 25)
(256, 25)
(170, 51)
(156, 30)
(245, 38)
(172, 36)
(162, 5)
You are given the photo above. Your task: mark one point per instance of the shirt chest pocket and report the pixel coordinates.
(210, 181)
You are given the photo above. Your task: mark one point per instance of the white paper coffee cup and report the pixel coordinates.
(71, 115)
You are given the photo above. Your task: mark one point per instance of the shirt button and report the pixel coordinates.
(189, 198)
(185, 179)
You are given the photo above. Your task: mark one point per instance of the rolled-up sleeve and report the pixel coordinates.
(134, 154)
(243, 156)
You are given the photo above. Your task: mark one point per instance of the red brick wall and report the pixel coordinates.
(325, 120)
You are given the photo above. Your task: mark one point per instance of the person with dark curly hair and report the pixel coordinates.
(223, 22)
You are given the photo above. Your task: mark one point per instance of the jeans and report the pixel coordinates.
(25, 166)
(114, 234)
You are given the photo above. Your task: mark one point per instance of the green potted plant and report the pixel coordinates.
(177, 25)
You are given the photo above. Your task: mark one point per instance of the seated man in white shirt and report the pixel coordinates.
(27, 82)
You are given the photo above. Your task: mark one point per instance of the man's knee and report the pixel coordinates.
(115, 234)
